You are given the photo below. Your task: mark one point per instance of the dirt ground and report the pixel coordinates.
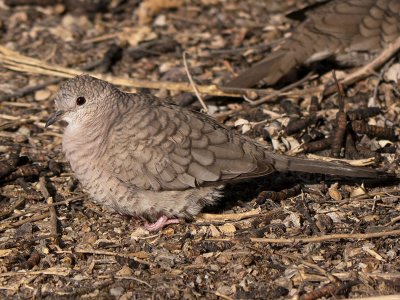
(279, 237)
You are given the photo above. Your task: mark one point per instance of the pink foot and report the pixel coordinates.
(160, 223)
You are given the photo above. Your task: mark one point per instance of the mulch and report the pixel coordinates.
(282, 236)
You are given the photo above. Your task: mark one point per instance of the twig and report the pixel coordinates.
(386, 297)
(196, 91)
(17, 62)
(27, 220)
(340, 122)
(109, 253)
(380, 77)
(222, 296)
(228, 217)
(45, 207)
(393, 221)
(50, 271)
(310, 265)
(303, 209)
(52, 210)
(33, 88)
(273, 96)
(135, 279)
(29, 89)
(78, 292)
(10, 210)
(324, 238)
(368, 69)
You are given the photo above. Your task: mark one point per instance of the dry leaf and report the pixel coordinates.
(140, 254)
(357, 192)
(336, 217)
(227, 228)
(290, 142)
(241, 121)
(6, 252)
(334, 192)
(149, 8)
(244, 123)
(384, 143)
(133, 36)
(393, 73)
(138, 233)
(214, 231)
(125, 271)
(293, 219)
(371, 218)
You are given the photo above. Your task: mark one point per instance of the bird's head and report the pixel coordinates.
(82, 100)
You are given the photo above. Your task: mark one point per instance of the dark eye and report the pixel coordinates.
(80, 101)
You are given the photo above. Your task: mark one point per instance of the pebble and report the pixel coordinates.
(117, 291)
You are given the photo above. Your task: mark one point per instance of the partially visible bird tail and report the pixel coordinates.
(285, 163)
(271, 69)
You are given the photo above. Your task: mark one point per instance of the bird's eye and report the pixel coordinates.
(80, 101)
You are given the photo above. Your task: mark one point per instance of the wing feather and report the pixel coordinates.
(180, 149)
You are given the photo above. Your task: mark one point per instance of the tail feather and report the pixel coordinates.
(285, 163)
(271, 69)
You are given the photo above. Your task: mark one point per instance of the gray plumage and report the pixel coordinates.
(142, 156)
(349, 31)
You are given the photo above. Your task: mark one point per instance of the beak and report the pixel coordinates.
(54, 117)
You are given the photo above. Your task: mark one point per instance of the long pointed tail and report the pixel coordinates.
(271, 69)
(285, 163)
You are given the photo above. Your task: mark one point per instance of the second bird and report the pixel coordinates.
(351, 32)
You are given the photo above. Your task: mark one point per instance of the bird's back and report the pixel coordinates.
(350, 31)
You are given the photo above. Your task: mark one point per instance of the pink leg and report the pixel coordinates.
(160, 223)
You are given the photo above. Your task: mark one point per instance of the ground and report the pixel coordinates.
(319, 237)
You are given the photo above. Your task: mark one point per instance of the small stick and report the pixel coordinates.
(328, 237)
(368, 69)
(109, 253)
(52, 210)
(10, 210)
(33, 88)
(341, 121)
(380, 77)
(14, 61)
(304, 210)
(27, 220)
(29, 89)
(308, 264)
(24, 171)
(278, 93)
(46, 206)
(218, 294)
(196, 90)
(50, 271)
(228, 217)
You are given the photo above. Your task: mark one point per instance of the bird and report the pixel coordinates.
(145, 157)
(349, 32)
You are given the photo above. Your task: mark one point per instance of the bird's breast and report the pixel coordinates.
(83, 149)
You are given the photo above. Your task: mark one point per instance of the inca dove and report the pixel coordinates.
(142, 156)
(349, 31)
